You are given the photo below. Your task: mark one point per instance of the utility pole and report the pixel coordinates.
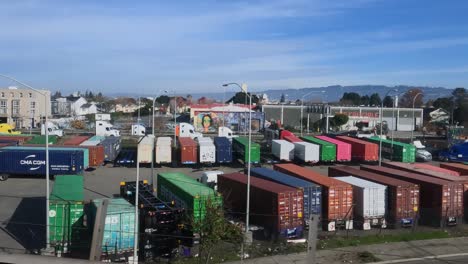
(312, 239)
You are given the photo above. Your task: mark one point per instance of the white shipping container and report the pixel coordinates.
(369, 199)
(207, 152)
(282, 149)
(90, 143)
(145, 149)
(163, 150)
(204, 139)
(307, 152)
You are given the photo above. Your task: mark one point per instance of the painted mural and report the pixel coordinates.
(237, 121)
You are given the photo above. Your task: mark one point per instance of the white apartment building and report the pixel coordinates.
(23, 108)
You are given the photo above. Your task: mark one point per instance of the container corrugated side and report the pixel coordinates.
(145, 150)
(66, 224)
(282, 149)
(75, 140)
(435, 168)
(163, 150)
(112, 147)
(41, 140)
(343, 149)
(223, 150)
(460, 168)
(327, 149)
(307, 152)
(57, 148)
(240, 145)
(396, 151)
(188, 151)
(207, 152)
(361, 150)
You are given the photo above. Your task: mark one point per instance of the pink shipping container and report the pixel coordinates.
(435, 168)
(343, 149)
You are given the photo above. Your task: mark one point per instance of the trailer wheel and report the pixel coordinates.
(3, 177)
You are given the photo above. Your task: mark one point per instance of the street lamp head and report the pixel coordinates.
(225, 85)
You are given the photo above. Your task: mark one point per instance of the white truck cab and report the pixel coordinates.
(187, 130)
(210, 178)
(104, 127)
(53, 129)
(138, 130)
(226, 132)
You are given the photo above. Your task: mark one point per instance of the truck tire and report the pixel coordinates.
(3, 177)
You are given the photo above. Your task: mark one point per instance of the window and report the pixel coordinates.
(30, 95)
(3, 94)
(3, 106)
(15, 105)
(21, 95)
(32, 105)
(12, 95)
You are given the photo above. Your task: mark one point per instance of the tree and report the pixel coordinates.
(339, 120)
(388, 101)
(240, 98)
(365, 100)
(350, 99)
(375, 100)
(56, 95)
(163, 99)
(283, 98)
(407, 99)
(444, 103)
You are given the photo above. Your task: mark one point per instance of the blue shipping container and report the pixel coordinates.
(84, 150)
(32, 161)
(223, 150)
(312, 192)
(111, 148)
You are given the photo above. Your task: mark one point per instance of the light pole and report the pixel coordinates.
(46, 152)
(175, 119)
(153, 123)
(302, 105)
(381, 125)
(247, 216)
(412, 129)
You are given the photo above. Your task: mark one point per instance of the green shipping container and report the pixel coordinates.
(84, 150)
(66, 209)
(187, 193)
(327, 149)
(41, 140)
(396, 151)
(240, 146)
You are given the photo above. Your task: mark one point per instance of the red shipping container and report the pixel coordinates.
(441, 201)
(361, 150)
(435, 168)
(343, 149)
(188, 150)
(292, 139)
(286, 133)
(21, 139)
(424, 171)
(276, 207)
(75, 141)
(337, 196)
(402, 196)
(460, 168)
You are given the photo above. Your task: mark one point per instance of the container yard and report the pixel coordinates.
(327, 149)
(361, 150)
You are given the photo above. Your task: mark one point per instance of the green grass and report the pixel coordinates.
(367, 257)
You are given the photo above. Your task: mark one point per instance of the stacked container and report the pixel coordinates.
(362, 151)
(188, 150)
(343, 149)
(20, 138)
(337, 196)
(283, 150)
(145, 149)
(41, 140)
(441, 201)
(163, 150)
(312, 192)
(369, 202)
(240, 146)
(206, 150)
(75, 140)
(223, 150)
(402, 196)
(327, 149)
(435, 168)
(462, 169)
(396, 151)
(306, 152)
(275, 207)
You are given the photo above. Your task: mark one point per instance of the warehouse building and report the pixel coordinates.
(23, 108)
(398, 119)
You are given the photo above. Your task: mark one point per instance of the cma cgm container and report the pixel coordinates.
(337, 196)
(223, 150)
(187, 193)
(327, 149)
(441, 201)
(275, 207)
(112, 147)
(396, 151)
(369, 202)
(240, 146)
(312, 192)
(361, 150)
(94, 155)
(206, 150)
(145, 149)
(118, 238)
(306, 152)
(402, 196)
(343, 149)
(163, 150)
(66, 210)
(460, 168)
(282, 149)
(60, 148)
(32, 162)
(75, 140)
(188, 150)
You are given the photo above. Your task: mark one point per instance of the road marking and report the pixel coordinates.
(422, 258)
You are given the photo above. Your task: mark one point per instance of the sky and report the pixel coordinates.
(142, 47)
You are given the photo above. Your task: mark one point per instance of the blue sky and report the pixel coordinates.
(195, 46)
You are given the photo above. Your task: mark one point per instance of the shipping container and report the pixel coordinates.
(396, 151)
(312, 192)
(283, 150)
(275, 207)
(112, 146)
(293, 139)
(428, 171)
(59, 148)
(97, 138)
(462, 169)
(362, 151)
(306, 152)
(66, 210)
(206, 150)
(20, 138)
(187, 193)
(119, 229)
(369, 202)
(126, 157)
(337, 196)
(10, 142)
(343, 149)
(441, 201)
(41, 140)
(188, 150)
(327, 149)
(223, 150)
(90, 143)
(32, 162)
(163, 150)
(145, 149)
(240, 146)
(75, 140)
(94, 155)
(285, 133)
(435, 168)
(402, 196)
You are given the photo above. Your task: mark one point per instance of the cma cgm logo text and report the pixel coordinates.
(30, 160)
